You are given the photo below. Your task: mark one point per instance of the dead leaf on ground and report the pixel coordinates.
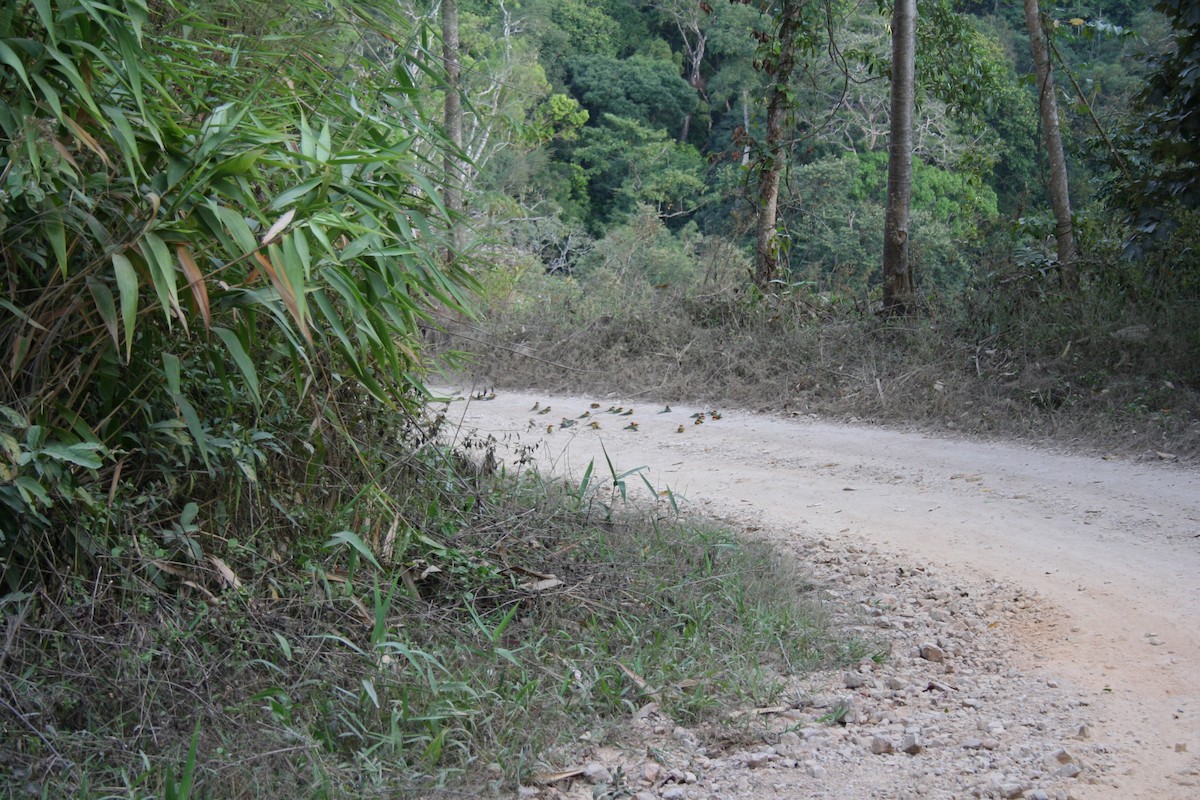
(228, 576)
(542, 586)
(546, 778)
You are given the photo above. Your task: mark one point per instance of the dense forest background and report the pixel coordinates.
(621, 110)
(237, 237)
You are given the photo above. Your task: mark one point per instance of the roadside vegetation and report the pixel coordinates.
(241, 554)
(668, 316)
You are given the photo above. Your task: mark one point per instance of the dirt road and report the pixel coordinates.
(1111, 547)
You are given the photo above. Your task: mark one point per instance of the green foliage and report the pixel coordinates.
(643, 248)
(559, 117)
(627, 163)
(647, 91)
(202, 225)
(836, 230)
(1168, 127)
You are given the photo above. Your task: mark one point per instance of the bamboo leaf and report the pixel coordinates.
(69, 71)
(56, 232)
(21, 315)
(87, 139)
(162, 273)
(293, 272)
(127, 287)
(235, 223)
(50, 96)
(191, 271)
(294, 194)
(44, 13)
(106, 307)
(284, 290)
(234, 345)
(279, 225)
(125, 138)
(355, 542)
(324, 143)
(10, 57)
(172, 370)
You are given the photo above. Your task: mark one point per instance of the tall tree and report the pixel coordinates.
(779, 62)
(1060, 197)
(453, 161)
(689, 17)
(898, 285)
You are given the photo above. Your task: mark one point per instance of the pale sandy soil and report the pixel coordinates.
(1109, 547)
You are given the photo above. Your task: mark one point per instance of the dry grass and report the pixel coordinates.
(321, 676)
(1099, 374)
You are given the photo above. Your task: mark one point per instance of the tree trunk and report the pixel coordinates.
(899, 289)
(746, 126)
(452, 164)
(1060, 197)
(766, 261)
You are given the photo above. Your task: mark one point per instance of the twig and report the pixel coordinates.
(30, 725)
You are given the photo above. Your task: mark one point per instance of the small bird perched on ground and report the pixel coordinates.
(545, 410)
(679, 429)
(666, 410)
(566, 423)
(633, 426)
(594, 425)
(536, 405)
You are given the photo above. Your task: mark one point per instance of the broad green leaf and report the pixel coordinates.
(83, 454)
(32, 491)
(127, 287)
(234, 345)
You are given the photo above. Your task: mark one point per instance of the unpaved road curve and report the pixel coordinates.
(1112, 546)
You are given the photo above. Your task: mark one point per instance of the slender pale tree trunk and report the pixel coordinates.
(1060, 197)
(899, 288)
(746, 126)
(766, 261)
(452, 164)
